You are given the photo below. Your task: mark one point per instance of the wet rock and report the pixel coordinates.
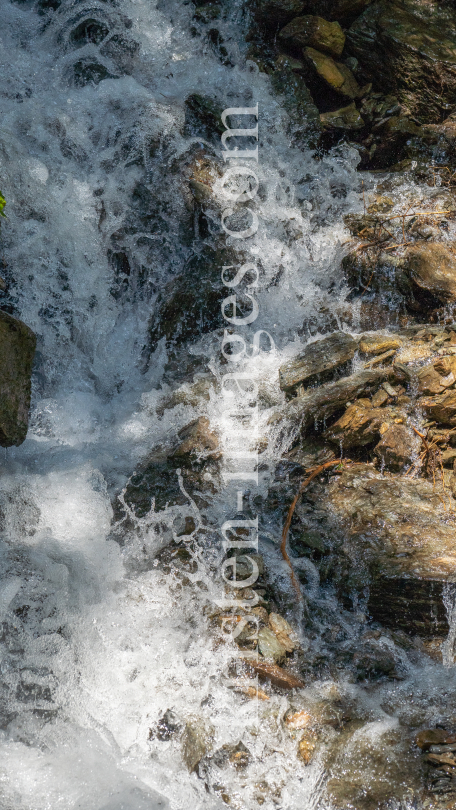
(341, 9)
(373, 661)
(192, 395)
(336, 75)
(399, 538)
(274, 12)
(168, 725)
(270, 647)
(189, 306)
(315, 32)
(405, 48)
(434, 736)
(283, 632)
(344, 118)
(322, 356)
(377, 344)
(298, 720)
(448, 458)
(278, 676)
(89, 71)
(358, 427)
(442, 408)
(326, 400)
(196, 743)
(197, 439)
(432, 268)
(122, 52)
(436, 377)
(304, 125)
(208, 12)
(397, 448)
(237, 755)
(202, 117)
(370, 766)
(381, 205)
(306, 747)
(17, 344)
(379, 398)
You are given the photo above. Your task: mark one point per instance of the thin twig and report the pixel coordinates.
(283, 546)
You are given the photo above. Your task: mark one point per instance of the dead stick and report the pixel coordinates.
(286, 528)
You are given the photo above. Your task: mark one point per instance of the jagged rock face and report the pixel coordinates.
(17, 350)
(406, 47)
(397, 528)
(358, 426)
(320, 357)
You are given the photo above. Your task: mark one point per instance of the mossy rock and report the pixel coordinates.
(17, 350)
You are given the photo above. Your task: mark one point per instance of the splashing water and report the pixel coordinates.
(95, 645)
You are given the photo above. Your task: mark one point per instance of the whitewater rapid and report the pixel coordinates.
(96, 646)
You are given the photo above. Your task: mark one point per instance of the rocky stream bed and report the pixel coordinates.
(130, 677)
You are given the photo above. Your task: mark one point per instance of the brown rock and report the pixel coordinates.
(278, 676)
(400, 528)
(252, 693)
(306, 748)
(357, 427)
(326, 400)
(449, 457)
(434, 736)
(196, 742)
(442, 408)
(429, 381)
(377, 344)
(344, 118)
(371, 767)
(315, 32)
(283, 631)
(198, 439)
(317, 358)
(397, 447)
(337, 75)
(432, 268)
(379, 398)
(17, 350)
(298, 720)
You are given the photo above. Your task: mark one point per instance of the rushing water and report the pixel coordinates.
(94, 648)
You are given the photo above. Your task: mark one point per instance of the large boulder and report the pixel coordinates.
(399, 540)
(406, 46)
(17, 350)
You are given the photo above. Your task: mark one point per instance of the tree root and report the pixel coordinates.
(283, 546)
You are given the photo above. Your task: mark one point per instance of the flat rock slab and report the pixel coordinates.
(320, 357)
(17, 350)
(398, 530)
(321, 403)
